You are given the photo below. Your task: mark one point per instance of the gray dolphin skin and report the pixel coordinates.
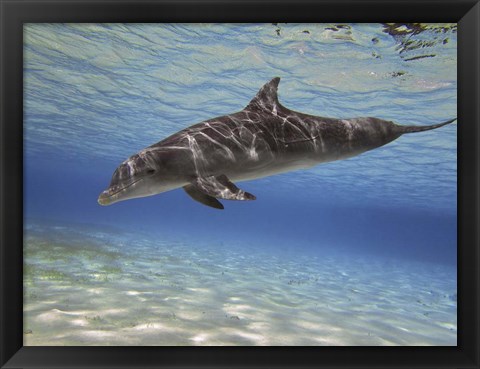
(263, 139)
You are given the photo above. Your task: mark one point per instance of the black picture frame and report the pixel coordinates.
(15, 13)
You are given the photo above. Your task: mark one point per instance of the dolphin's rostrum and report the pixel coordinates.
(263, 139)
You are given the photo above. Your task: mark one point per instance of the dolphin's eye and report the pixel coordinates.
(150, 171)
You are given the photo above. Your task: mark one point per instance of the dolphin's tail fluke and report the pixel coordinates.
(411, 129)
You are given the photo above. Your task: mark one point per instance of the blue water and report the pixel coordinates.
(97, 93)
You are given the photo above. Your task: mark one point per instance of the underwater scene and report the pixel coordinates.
(307, 217)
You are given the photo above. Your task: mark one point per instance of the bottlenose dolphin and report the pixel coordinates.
(263, 139)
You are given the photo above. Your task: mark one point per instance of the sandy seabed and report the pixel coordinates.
(110, 289)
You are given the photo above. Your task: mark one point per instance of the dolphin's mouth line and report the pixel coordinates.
(124, 188)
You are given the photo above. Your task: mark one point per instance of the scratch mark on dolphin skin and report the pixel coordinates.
(229, 136)
(222, 146)
(197, 155)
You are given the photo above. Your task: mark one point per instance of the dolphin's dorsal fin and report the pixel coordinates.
(266, 98)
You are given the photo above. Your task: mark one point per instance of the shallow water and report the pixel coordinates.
(354, 252)
(98, 292)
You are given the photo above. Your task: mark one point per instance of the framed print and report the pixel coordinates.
(228, 184)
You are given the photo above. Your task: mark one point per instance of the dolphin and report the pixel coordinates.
(263, 139)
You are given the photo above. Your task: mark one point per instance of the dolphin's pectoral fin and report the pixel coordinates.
(202, 197)
(221, 187)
